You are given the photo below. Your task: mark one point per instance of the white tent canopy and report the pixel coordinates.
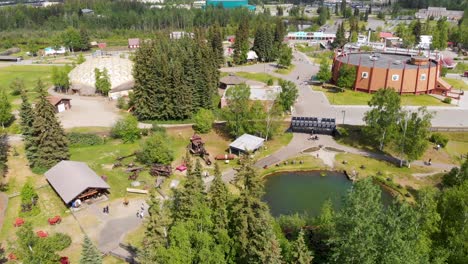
(247, 143)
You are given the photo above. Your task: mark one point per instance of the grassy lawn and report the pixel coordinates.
(349, 97)
(373, 167)
(29, 74)
(285, 71)
(457, 84)
(460, 68)
(256, 76)
(309, 163)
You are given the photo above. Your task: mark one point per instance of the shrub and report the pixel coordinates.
(158, 129)
(122, 103)
(270, 82)
(155, 149)
(439, 139)
(342, 132)
(126, 129)
(29, 199)
(443, 72)
(203, 120)
(447, 100)
(59, 241)
(83, 139)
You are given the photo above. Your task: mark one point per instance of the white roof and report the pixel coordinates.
(247, 142)
(262, 93)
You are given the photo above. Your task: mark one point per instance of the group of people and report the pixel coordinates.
(105, 210)
(141, 213)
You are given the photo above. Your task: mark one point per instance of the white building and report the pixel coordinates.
(425, 42)
(438, 13)
(51, 51)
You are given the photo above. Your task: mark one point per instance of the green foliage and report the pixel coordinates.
(103, 84)
(414, 132)
(264, 44)
(447, 100)
(156, 149)
(456, 176)
(80, 59)
(347, 77)
(29, 199)
(453, 208)
(59, 241)
(439, 139)
(47, 144)
(236, 112)
(241, 43)
(6, 117)
(340, 39)
(288, 95)
(381, 119)
(122, 103)
(203, 120)
(270, 82)
(16, 86)
(84, 139)
(4, 147)
(324, 73)
(215, 39)
(60, 78)
(301, 254)
(90, 254)
(126, 129)
(182, 78)
(285, 56)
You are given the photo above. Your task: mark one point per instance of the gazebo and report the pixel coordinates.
(246, 143)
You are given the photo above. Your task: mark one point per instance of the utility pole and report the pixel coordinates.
(344, 115)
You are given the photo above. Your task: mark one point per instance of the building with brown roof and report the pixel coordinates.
(61, 104)
(231, 80)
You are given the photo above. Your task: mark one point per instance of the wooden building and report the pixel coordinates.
(61, 104)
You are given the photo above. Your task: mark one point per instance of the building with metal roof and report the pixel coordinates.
(246, 143)
(229, 4)
(73, 180)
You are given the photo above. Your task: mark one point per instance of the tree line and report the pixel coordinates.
(174, 78)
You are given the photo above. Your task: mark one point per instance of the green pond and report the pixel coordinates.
(305, 192)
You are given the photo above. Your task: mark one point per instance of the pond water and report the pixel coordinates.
(305, 192)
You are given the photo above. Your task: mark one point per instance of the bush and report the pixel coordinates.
(342, 132)
(155, 149)
(126, 129)
(439, 139)
(203, 120)
(443, 72)
(83, 140)
(59, 241)
(158, 129)
(270, 82)
(29, 199)
(447, 100)
(122, 103)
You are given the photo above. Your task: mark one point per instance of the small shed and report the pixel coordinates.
(73, 180)
(246, 143)
(133, 43)
(230, 80)
(252, 55)
(61, 104)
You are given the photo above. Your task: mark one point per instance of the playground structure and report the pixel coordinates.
(197, 148)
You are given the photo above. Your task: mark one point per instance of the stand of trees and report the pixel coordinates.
(174, 78)
(387, 124)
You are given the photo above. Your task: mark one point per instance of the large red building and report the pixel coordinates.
(405, 73)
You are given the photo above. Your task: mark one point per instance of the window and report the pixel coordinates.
(423, 77)
(395, 77)
(365, 75)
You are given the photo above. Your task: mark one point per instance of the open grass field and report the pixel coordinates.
(361, 98)
(457, 84)
(257, 76)
(28, 73)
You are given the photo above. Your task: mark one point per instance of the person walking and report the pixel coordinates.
(142, 214)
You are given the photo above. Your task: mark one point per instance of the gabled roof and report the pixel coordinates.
(70, 178)
(54, 100)
(247, 142)
(385, 35)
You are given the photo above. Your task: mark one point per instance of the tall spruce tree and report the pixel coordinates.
(251, 227)
(189, 199)
(216, 43)
(301, 254)
(49, 143)
(157, 228)
(90, 254)
(263, 43)
(5, 109)
(241, 43)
